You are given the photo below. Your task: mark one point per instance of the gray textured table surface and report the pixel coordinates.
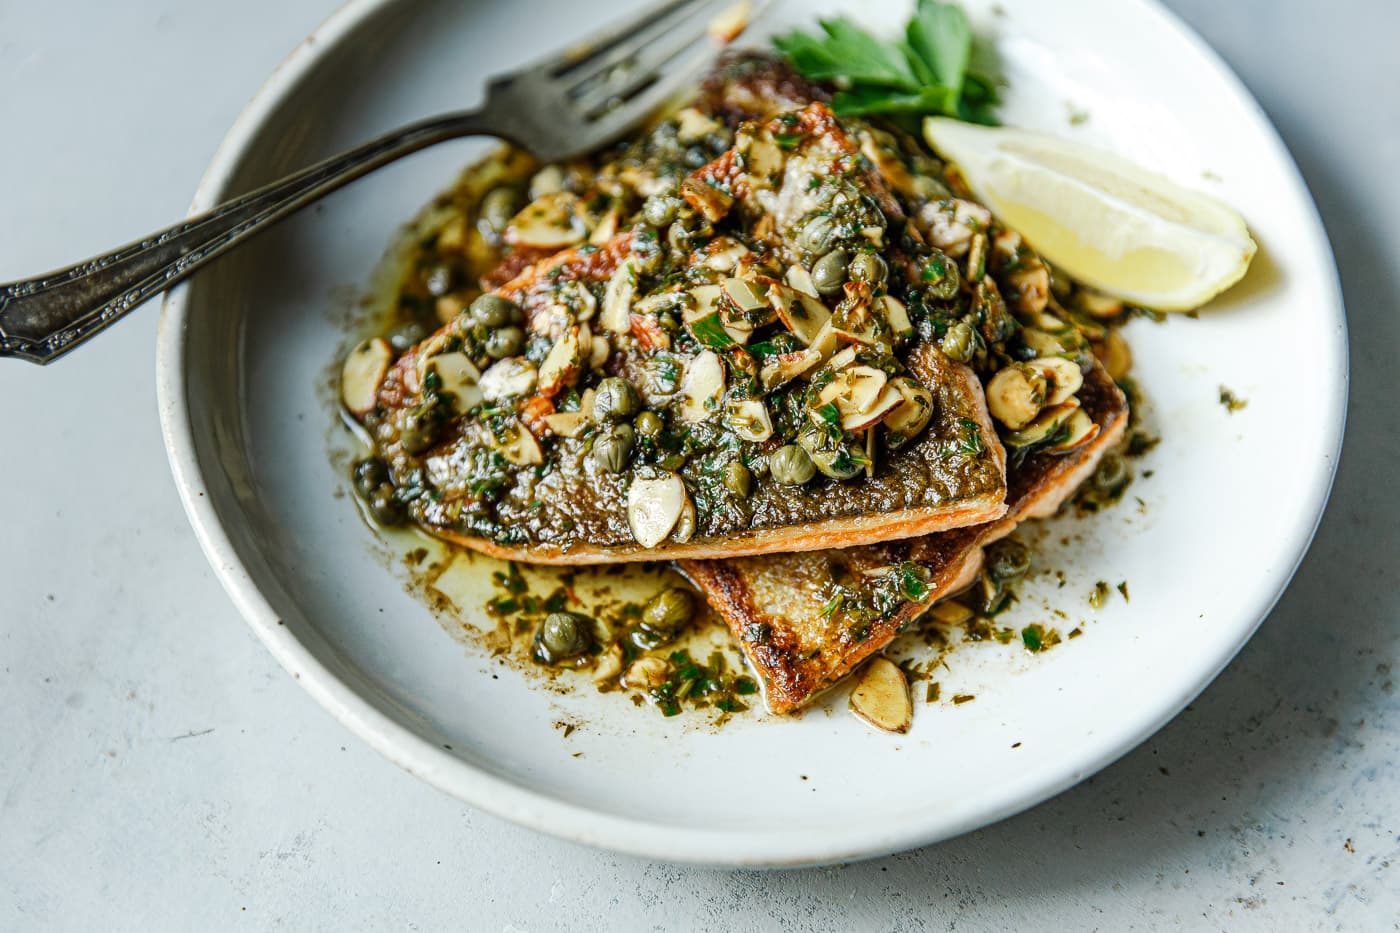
(159, 771)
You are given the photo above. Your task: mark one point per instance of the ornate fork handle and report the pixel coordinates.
(43, 318)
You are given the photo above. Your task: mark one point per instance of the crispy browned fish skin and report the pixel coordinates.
(572, 514)
(801, 652)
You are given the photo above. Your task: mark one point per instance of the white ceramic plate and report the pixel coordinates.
(1225, 517)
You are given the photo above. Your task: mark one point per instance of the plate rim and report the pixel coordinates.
(539, 811)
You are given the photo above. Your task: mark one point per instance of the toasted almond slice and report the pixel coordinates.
(508, 378)
(566, 423)
(748, 296)
(561, 366)
(599, 352)
(1016, 395)
(950, 612)
(723, 253)
(701, 387)
(550, 221)
(609, 665)
(646, 673)
(685, 525)
(1063, 375)
(692, 125)
(913, 413)
(749, 419)
(606, 228)
(654, 507)
(521, 448)
(881, 696)
(799, 279)
(1117, 356)
(617, 299)
(1081, 430)
(897, 315)
(362, 373)
(785, 367)
(801, 314)
(460, 378)
(880, 409)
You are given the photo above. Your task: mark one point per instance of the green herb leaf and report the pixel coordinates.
(939, 34)
(924, 73)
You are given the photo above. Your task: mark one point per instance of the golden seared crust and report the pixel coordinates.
(752, 85)
(774, 604)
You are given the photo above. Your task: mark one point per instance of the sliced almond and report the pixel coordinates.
(550, 221)
(1016, 395)
(566, 423)
(520, 447)
(654, 507)
(1045, 425)
(646, 673)
(1063, 375)
(685, 525)
(617, 299)
(605, 229)
(748, 296)
(1097, 303)
(706, 198)
(508, 378)
(599, 352)
(701, 387)
(723, 253)
(915, 410)
(692, 125)
(750, 420)
(609, 665)
(460, 378)
(897, 315)
(854, 389)
(762, 156)
(1116, 355)
(950, 612)
(1081, 430)
(803, 315)
(362, 372)
(888, 400)
(561, 366)
(785, 367)
(881, 696)
(800, 279)
(1041, 343)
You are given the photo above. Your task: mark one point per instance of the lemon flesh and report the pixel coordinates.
(1098, 217)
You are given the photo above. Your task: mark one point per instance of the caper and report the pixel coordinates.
(648, 424)
(695, 156)
(369, 474)
(421, 426)
(498, 207)
(688, 233)
(667, 612)
(384, 506)
(738, 479)
(959, 343)
(829, 272)
(439, 279)
(870, 268)
(504, 342)
(791, 466)
(563, 635)
(406, 335)
(491, 311)
(834, 459)
(1111, 474)
(816, 233)
(940, 274)
(612, 451)
(660, 209)
(615, 400)
(1007, 560)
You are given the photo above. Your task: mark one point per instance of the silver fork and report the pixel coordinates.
(564, 106)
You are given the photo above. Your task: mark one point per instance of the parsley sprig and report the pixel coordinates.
(926, 72)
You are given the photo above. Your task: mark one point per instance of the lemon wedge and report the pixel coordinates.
(1098, 217)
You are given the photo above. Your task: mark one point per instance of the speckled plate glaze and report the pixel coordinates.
(1219, 527)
